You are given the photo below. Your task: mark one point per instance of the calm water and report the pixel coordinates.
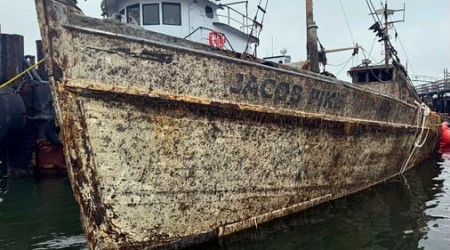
(39, 214)
(410, 212)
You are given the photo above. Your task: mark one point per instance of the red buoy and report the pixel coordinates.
(445, 136)
(444, 126)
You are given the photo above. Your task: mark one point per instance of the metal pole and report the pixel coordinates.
(386, 35)
(311, 44)
(246, 16)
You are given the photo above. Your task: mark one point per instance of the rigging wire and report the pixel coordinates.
(376, 19)
(368, 55)
(404, 51)
(373, 45)
(345, 66)
(340, 64)
(346, 21)
(372, 11)
(364, 53)
(391, 50)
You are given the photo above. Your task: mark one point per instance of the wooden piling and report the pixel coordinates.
(2, 78)
(40, 55)
(11, 55)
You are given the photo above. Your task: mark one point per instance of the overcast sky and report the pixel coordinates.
(425, 35)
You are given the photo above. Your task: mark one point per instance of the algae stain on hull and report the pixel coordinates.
(185, 144)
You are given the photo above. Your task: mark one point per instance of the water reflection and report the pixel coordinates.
(438, 208)
(393, 215)
(39, 215)
(410, 212)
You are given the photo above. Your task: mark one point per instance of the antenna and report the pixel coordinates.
(272, 45)
(391, 12)
(383, 32)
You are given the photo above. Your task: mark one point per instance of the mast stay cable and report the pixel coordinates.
(346, 21)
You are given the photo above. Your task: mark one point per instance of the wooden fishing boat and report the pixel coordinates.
(171, 142)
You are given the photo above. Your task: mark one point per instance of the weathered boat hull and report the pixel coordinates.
(169, 143)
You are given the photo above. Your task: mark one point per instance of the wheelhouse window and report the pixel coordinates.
(133, 14)
(209, 12)
(171, 13)
(362, 76)
(150, 14)
(373, 75)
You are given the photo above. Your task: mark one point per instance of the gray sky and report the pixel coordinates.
(425, 36)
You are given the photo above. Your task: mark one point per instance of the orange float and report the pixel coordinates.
(445, 135)
(216, 39)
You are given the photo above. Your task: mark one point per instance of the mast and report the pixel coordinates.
(311, 38)
(383, 32)
(386, 35)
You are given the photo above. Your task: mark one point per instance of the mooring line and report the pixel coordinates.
(21, 74)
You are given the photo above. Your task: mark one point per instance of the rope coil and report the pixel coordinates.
(420, 139)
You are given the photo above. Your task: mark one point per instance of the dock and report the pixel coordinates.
(436, 95)
(29, 140)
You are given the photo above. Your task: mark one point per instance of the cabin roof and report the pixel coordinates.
(114, 3)
(371, 67)
(218, 6)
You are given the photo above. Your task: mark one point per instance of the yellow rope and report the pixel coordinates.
(21, 74)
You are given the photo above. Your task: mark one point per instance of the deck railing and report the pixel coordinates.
(236, 18)
(434, 87)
